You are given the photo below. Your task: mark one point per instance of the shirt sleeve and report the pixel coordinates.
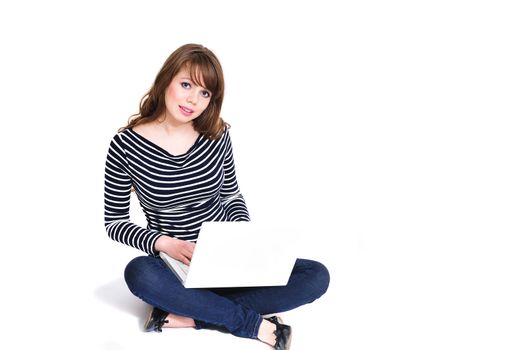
(117, 191)
(230, 194)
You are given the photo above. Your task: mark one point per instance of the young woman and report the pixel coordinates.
(176, 154)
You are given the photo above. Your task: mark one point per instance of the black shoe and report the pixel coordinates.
(156, 320)
(283, 333)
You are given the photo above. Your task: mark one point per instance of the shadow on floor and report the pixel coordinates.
(117, 295)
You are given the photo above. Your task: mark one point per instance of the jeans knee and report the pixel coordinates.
(136, 274)
(320, 280)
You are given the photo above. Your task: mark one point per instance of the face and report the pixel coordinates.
(184, 100)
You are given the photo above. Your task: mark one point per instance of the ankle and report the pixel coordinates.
(176, 321)
(266, 332)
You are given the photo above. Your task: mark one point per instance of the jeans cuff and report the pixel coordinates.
(257, 327)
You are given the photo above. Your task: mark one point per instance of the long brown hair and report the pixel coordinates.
(201, 63)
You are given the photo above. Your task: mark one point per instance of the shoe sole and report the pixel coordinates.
(288, 345)
(148, 319)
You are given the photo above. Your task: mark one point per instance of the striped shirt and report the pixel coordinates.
(176, 192)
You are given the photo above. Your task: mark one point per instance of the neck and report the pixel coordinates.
(171, 127)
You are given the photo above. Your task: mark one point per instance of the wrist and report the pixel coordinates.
(161, 243)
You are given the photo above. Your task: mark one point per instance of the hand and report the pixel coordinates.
(178, 249)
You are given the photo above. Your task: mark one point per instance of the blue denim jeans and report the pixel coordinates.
(236, 310)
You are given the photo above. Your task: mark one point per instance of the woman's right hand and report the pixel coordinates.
(177, 248)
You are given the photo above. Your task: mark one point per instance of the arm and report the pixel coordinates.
(117, 189)
(230, 194)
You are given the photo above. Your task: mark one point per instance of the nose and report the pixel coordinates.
(193, 96)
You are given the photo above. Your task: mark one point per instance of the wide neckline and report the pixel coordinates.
(155, 145)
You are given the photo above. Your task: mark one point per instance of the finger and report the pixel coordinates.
(188, 254)
(185, 261)
(181, 257)
(189, 246)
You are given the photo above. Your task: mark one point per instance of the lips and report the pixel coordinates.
(186, 111)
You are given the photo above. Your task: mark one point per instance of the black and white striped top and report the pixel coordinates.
(176, 192)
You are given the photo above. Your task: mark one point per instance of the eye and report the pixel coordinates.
(205, 93)
(185, 85)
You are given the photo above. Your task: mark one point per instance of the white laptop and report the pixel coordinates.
(238, 254)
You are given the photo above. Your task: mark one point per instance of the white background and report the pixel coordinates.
(393, 131)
